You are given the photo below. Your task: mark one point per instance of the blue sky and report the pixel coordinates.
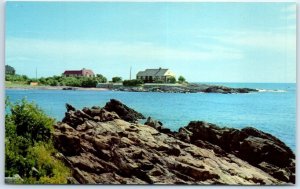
(205, 42)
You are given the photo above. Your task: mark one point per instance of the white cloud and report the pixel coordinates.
(276, 41)
(30, 48)
(281, 43)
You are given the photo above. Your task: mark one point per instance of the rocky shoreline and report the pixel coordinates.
(188, 88)
(108, 146)
(163, 88)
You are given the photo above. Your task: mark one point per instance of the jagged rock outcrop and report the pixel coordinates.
(256, 147)
(100, 146)
(123, 111)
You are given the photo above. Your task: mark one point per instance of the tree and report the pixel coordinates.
(101, 79)
(89, 82)
(181, 79)
(171, 79)
(68, 81)
(9, 70)
(117, 79)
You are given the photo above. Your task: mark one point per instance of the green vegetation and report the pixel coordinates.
(73, 81)
(9, 70)
(100, 78)
(133, 82)
(18, 80)
(117, 79)
(15, 80)
(171, 79)
(28, 146)
(16, 77)
(181, 79)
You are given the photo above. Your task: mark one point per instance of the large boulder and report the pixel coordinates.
(123, 111)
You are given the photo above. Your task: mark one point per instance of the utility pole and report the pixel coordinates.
(36, 73)
(130, 73)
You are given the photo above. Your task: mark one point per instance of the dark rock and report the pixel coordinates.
(187, 88)
(70, 107)
(123, 111)
(249, 144)
(67, 144)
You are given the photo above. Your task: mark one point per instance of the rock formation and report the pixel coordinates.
(123, 111)
(256, 147)
(188, 88)
(107, 146)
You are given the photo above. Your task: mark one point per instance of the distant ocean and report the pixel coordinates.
(272, 110)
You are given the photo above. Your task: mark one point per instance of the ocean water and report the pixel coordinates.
(273, 110)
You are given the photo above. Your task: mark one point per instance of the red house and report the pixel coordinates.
(77, 73)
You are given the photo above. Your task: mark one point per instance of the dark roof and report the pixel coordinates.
(79, 72)
(152, 72)
(73, 72)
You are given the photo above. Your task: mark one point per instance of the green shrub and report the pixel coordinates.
(181, 79)
(28, 146)
(31, 121)
(133, 82)
(50, 169)
(71, 81)
(171, 79)
(100, 78)
(89, 82)
(16, 78)
(117, 79)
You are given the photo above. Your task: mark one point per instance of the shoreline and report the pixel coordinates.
(56, 88)
(133, 89)
(162, 88)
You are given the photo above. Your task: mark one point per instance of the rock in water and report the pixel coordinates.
(123, 111)
(112, 150)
